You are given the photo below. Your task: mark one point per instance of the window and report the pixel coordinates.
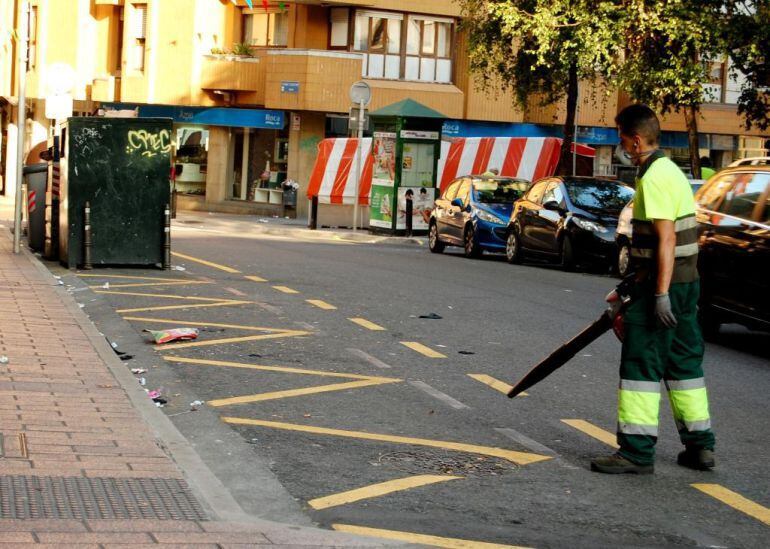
(536, 192)
(32, 51)
(464, 191)
(338, 35)
(265, 29)
(428, 49)
(138, 36)
(742, 200)
(378, 34)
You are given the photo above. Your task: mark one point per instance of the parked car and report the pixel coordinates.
(752, 161)
(473, 212)
(567, 220)
(734, 237)
(623, 232)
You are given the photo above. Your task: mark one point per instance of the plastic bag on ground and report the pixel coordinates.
(174, 334)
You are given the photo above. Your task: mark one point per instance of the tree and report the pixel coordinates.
(748, 44)
(543, 48)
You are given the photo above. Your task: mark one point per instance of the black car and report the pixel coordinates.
(734, 237)
(567, 220)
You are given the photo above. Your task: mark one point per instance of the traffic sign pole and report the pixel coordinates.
(21, 125)
(358, 162)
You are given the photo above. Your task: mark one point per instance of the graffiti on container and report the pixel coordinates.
(149, 144)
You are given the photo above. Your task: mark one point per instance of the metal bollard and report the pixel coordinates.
(314, 213)
(167, 238)
(87, 241)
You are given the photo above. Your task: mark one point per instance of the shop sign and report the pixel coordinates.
(289, 86)
(414, 134)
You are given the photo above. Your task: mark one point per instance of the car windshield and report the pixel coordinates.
(599, 196)
(498, 191)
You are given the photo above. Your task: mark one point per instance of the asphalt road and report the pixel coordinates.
(427, 448)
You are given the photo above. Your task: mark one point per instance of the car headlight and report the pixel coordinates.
(589, 225)
(489, 217)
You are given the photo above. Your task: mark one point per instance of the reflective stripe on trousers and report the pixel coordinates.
(689, 403)
(638, 407)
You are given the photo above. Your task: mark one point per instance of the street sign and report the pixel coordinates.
(354, 116)
(289, 86)
(360, 92)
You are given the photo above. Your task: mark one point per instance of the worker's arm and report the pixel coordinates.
(664, 228)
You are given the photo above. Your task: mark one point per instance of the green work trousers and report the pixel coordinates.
(651, 353)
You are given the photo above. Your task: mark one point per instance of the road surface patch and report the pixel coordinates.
(358, 382)
(236, 292)
(422, 349)
(411, 537)
(254, 278)
(285, 289)
(211, 264)
(496, 384)
(736, 501)
(518, 458)
(374, 361)
(377, 490)
(321, 304)
(593, 431)
(270, 333)
(366, 324)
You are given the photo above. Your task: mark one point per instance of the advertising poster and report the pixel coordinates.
(384, 152)
(422, 204)
(381, 206)
(417, 164)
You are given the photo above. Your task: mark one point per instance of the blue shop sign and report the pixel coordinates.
(289, 87)
(586, 134)
(210, 116)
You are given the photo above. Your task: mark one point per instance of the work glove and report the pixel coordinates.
(615, 303)
(663, 310)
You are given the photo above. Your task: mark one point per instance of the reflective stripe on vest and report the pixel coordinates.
(638, 407)
(644, 245)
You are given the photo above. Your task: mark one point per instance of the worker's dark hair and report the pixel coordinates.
(639, 120)
(705, 162)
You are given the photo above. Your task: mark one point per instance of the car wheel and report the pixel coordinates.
(434, 244)
(624, 260)
(472, 248)
(567, 254)
(512, 247)
(709, 323)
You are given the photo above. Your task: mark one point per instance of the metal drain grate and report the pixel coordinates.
(24, 497)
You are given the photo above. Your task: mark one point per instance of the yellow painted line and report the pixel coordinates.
(224, 268)
(377, 490)
(285, 289)
(128, 277)
(593, 431)
(255, 278)
(411, 537)
(168, 296)
(736, 501)
(422, 349)
(366, 324)
(144, 284)
(496, 384)
(203, 323)
(321, 304)
(296, 392)
(519, 458)
(219, 303)
(283, 369)
(226, 340)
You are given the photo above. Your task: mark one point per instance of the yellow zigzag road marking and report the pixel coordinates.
(363, 381)
(436, 541)
(496, 384)
(275, 333)
(376, 490)
(224, 268)
(128, 277)
(321, 304)
(593, 431)
(207, 301)
(285, 289)
(736, 501)
(519, 458)
(366, 324)
(254, 278)
(423, 349)
(144, 284)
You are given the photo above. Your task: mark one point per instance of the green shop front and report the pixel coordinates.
(406, 144)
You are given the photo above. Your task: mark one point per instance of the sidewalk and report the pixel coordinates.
(86, 459)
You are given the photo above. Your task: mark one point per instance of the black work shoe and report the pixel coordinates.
(617, 464)
(700, 459)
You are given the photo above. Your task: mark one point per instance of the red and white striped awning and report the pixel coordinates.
(333, 176)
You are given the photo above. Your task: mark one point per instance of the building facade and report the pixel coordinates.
(252, 91)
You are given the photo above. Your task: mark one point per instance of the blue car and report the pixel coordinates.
(473, 212)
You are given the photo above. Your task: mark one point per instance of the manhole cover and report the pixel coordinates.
(448, 463)
(25, 497)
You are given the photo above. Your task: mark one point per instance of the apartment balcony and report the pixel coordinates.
(231, 73)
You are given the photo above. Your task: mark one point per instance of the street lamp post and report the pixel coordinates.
(21, 124)
(360, 94)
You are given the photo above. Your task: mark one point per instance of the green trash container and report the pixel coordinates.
(121, 167)
(36, 176)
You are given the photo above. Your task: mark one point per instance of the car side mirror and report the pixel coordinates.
(553, 206)
(458, 202)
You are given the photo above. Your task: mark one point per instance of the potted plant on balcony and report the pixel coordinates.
(242, 49)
